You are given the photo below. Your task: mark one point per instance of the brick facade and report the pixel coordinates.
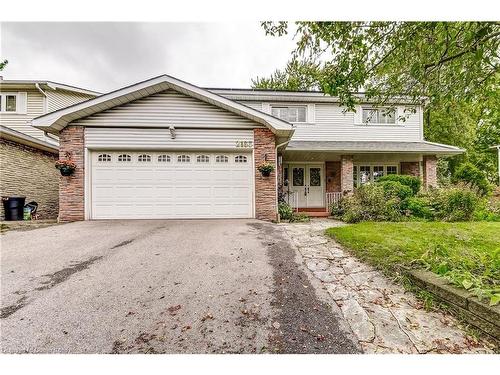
(30, 172)
(346, 177)
(265, 187)
(332, 172)
(411, 168)
(71, 188)
(430, 171)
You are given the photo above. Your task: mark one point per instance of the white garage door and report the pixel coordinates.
(165, 185)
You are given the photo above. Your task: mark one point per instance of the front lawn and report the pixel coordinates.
(467, 254)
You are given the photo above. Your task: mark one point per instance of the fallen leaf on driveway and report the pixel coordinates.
(206, 317)
(185, 328)
(172, 309)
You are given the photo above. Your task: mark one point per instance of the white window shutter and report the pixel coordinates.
(22, 102)
(400, 113)
(358, 115)
(311, 113)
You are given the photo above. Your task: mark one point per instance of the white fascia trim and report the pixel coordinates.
(13, 135)
(452, 148)
(57, 120)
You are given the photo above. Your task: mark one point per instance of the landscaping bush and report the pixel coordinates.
(285, 211)
(395, 189)
(299, 217)
(369, 202)
(456, 203)
(470, 174)
(419, 207)
(412, 182)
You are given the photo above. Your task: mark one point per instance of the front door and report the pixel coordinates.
(307, 181)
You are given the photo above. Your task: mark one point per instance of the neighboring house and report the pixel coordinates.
(164, 148)
(27, 154)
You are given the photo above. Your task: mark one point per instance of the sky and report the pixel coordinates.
(107, 56)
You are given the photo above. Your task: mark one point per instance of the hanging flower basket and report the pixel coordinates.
(266, 169)
(66, 167)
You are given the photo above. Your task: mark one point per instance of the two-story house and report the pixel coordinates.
(27, 154)
(164, 148)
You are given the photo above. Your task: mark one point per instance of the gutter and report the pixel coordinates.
(37, 85)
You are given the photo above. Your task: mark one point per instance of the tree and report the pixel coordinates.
(450, 67)
(297, 76)
(3, 64)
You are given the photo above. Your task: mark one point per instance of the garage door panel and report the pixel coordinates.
(154, 189)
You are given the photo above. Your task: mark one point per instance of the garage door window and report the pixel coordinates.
(203, 159)
(221, 159)
(240, 159)
(144, 158)
(183, 159)
(104, 158)
(163, 159)
(124, 158)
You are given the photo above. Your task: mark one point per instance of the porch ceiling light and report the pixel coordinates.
(172, 131)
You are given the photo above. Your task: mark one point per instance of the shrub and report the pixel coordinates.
(412, 182)
(419, 207)
(469, 173)
(369, 202)
(285, 211)
(456, 203)
(299, 217)
(395, 189)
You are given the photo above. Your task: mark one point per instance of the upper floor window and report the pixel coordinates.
(8, 103)
(290, 113)
(379, 116)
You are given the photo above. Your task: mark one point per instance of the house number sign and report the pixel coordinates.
(244, 144)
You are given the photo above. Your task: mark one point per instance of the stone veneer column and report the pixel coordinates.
(430, 171)
(71, 188)
(346, 169)
(265, 187)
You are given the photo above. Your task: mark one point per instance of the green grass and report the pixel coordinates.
(467, 254)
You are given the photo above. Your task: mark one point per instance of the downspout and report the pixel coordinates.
(37, 85)
(276, 177)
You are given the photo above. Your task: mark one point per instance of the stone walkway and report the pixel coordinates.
(383, 317)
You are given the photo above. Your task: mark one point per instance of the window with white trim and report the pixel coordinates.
(240, 159)
(290, 113)
(221, 159)
(124, 158)
(365, 173)
(183, 159)
(163, 158)
(8, 103)
(382, 115)
(144, 158)
(203, 159)
(104, 158)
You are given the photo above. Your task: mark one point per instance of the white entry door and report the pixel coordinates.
(307, 181)
(165, 185)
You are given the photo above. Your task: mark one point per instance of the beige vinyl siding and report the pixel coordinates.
(61, 99)
(254, 105)
(160, 139)
(165, 109)
(35, 106)
(330, 123)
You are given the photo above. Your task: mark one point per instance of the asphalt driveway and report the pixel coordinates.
(154, 286)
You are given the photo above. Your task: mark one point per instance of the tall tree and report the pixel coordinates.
(451, 67)
(3, 64)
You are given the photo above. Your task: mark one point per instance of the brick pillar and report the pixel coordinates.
(411, 168)
(265, 187)
(332, 170)
(346, 168)
(71, 188)
(430, 171)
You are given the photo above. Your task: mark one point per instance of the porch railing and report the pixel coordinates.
(292, 198)
(332, 198)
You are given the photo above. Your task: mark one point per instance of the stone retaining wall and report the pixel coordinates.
(468, 307)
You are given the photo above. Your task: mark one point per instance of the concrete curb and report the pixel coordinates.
(469, 307)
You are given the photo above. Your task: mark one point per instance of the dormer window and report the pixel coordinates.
(382, 115)
(290, 113)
